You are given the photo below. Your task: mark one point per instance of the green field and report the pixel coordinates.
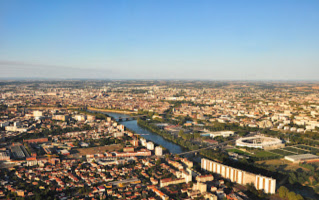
(260, 154)
(297, 151)
(312, 150)
(256, 155)
(264, 155)
(238, 151)
(281, 152)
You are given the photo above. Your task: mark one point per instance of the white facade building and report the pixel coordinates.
(150, 146)
(158, 151)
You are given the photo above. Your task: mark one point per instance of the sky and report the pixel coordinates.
(164, 39)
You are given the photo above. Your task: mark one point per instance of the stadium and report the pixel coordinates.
(261, 142)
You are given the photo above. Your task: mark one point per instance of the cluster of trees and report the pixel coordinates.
(171, 137)
(256, 194)
(290, 195)
(187, 136)
(303, 177)
(215, 155)
(3, 107)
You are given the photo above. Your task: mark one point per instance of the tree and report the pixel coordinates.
(283, 191)
(292, 196)
(181, 133)
(299, 197)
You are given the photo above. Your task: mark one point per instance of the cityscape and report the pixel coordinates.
(159, 139)
(159, 100)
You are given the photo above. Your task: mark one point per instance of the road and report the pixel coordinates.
(213, 146)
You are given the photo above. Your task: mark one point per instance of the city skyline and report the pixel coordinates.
(202, 40)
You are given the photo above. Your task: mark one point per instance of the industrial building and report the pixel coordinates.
(18, 151)
(302, 158)
(218, 133)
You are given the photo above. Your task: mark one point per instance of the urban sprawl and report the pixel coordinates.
(238, 140)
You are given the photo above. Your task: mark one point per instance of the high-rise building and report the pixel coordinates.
(150, 146)
(239, 176)
(158, 151)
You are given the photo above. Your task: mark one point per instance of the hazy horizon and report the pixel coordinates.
(160, 40)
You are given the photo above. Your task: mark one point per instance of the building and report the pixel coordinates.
(202, 187)
(169, 181)
(205, 178)
(60, 117)
(187, 175)
(120, 127)
(218, 133)
(159, 193)
(187, 162)
(239, 176)
(80, 118)
(90, 117)
(84, 144)
(302, 158)
(128, 149)
(4, 156)
(210, 196)
(134, 142)
(18, 151)
(37, 114)
(143, 142)
(261, 142)
(158, 151)
(16, 129)
(150, 146)
(64, 152)
(142, 152)
(118, 134)
(4, 124)
(38, 140)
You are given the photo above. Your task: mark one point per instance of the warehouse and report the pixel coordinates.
(302, 158)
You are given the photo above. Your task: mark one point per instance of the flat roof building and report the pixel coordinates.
(302, 158)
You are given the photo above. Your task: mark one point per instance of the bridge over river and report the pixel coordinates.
(127, 118)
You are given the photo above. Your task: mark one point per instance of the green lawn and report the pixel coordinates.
(281, 152)
(256, 154)
(312, 150)
(239, 152)
(297, 151)
(263, 154)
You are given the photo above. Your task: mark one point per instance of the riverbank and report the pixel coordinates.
(111, 111)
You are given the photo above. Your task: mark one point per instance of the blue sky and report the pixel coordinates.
(182, 39)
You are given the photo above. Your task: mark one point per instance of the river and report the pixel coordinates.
(157, 139)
